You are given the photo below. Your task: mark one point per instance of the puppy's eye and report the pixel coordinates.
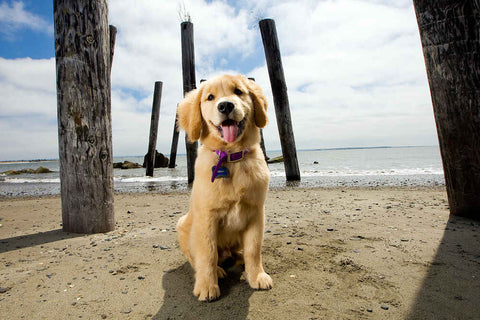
(238, 92)
(210, 97)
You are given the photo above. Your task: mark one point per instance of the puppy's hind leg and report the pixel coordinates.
(184, 226)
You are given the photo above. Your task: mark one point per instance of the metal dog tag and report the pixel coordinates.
(221, 173)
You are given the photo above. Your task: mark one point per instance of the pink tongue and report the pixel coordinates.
(230, 132)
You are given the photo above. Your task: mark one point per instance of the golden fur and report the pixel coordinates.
(226, 217)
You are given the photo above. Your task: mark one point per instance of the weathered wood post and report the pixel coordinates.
(262, 145)
(450, 33)
(188, 70)
(152, 143)
(173, 150)
(83, 51)
(113, 36)
(280, 98)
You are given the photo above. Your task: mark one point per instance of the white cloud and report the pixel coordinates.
(148, 49)
(354, 71)
(14, 17)
(31, 136)
(28, 109)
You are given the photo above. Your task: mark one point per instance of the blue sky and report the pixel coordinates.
(354, 70)
(21, 40)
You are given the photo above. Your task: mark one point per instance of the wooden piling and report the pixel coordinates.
(262, 145)
(83, 53)
(152, 143)
(188, 70)
(173, 150)
(113, 37)
(450, 32)
(280, 98)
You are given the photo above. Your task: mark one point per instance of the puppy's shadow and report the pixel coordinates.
(180, 303)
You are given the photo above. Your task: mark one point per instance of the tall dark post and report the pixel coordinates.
(173, 150)
(152, 143)
(84, 51)
(280, 98)
(188, 69)
(113, 37)
(262, 145)
(450, 33)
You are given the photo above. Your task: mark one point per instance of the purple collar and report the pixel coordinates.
(224, 156)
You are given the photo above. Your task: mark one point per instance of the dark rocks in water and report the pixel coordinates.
(42, 170)
(30, 171)
(276, 159)
(126, 165)
(160, 160)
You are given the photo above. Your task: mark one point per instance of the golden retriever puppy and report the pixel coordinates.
(226, 215)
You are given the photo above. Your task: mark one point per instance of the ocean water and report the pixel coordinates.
(367, 167)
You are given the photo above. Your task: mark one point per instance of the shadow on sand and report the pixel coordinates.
(179, 302)
(31, 240)
(451, 289)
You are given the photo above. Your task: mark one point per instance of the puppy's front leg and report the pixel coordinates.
(204, 245)
(252, 241)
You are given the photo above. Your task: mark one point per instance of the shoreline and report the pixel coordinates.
(26, 161)
(289, 186)
(26, 190)
(399, 166)
(333, 253)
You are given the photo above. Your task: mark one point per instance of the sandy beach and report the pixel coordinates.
(333, 253)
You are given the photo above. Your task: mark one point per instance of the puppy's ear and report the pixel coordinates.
(190, 115)
(259, 103)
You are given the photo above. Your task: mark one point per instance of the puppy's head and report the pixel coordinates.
(224, 109)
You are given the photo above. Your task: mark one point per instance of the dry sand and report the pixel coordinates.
(383, 253)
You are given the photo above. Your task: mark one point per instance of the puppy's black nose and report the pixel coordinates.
(225, 107)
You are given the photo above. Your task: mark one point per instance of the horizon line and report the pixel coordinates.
(272, 151)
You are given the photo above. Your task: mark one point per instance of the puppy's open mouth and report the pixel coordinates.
(230, 129)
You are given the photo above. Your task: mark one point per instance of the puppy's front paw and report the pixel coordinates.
(206, 291)
(262, 282)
